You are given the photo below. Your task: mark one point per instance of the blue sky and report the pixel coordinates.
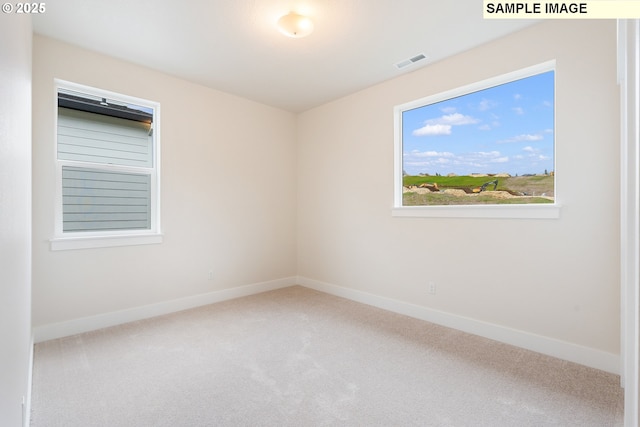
(507, 128)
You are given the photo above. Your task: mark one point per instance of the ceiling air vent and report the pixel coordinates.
(405, 63)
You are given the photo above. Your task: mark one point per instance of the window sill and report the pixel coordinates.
(89, 242)
(480, 211)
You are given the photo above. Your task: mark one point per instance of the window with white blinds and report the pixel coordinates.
(107, 155)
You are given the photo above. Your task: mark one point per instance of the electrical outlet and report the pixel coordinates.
(210, 275)
(432, 288)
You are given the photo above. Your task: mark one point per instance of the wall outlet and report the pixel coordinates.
(210, 275)
(432, 288)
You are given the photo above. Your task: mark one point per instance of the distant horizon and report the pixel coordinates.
(548, 172)
(507, 128)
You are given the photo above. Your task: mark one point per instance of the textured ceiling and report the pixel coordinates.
(233, 45)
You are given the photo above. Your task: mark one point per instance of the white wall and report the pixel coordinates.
(228, 194)
(553, 278)
(15, 216)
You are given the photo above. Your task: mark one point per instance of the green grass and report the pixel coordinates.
(448, 181)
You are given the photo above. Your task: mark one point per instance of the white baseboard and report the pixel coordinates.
(91, 323)
(586, 356)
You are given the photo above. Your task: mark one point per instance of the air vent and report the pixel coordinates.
(407, 62)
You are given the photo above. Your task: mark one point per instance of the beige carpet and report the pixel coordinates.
(297, 357)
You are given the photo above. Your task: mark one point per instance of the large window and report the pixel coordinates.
(486, 146)
(107, 153)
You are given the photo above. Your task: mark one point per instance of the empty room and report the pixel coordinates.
(317, 213)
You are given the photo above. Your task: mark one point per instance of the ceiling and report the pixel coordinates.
(233, 45)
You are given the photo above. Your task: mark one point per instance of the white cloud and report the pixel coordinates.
(533, 153)
(416, 153)
(500, 160)
(454, 119)
(484, 127)
(444, 162)
(525, 137)
(486, 104)
(518, 110)
(442, 125)
(487, 154)
(529, 137)
(428, 161)
(436, 129)
(517, 96)
(449, 110)
(481, 159)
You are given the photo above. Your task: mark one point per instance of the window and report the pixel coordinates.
(487, 149)
(107, 163)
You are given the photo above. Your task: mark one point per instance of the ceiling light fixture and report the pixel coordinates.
(294, 25)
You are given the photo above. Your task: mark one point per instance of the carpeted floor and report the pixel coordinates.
(297, 357)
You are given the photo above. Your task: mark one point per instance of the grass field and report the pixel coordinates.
(524, 189)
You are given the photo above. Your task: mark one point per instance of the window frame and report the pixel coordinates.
(543, 211)
(108, 238)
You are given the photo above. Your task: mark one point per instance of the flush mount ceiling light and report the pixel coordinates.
(294, 25)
